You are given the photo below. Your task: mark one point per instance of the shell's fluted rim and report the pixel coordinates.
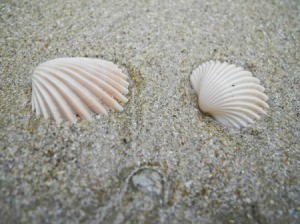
(68, 88)
(229, 93)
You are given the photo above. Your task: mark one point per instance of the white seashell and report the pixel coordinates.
(66, 88)
(229, 94)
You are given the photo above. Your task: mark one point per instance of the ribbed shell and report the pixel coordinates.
(229, 94)
(66, 88)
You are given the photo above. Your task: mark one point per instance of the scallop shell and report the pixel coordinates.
(66, 88)
(229, 94)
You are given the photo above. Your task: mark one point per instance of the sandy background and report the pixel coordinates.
(160, 160)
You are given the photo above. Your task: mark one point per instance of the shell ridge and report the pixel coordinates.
(48, 101)
(206, 71)
(103, 77)
(233, 95)
(238, 123)
(197, 77)
(230, 73)
(232, 81)
(112, 71)
(75, 102)
(115, 70)
(242, 117)
(37, 105)
(244, 105)
(87, 79)
(110, 75)
(32, 100)
(229, 93)
(87, 95)
(62, 105)
(214, 75)
(34, 93)
(85, 61)
(66, 88)
(253, 100)
(245, 111)
(91, 87)
(222, 75)
(112, 68)
(103, 63)
(43, 106)
(226, 121)
(196, 80)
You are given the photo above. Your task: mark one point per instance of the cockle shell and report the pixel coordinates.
(229, 94)
(66, 88)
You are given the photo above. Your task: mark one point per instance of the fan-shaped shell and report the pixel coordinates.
(66, 88)
(228, 93)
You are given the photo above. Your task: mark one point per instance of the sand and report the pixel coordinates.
(160, 160)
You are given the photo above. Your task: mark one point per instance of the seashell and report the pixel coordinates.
(229, 94)
(66, 88)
